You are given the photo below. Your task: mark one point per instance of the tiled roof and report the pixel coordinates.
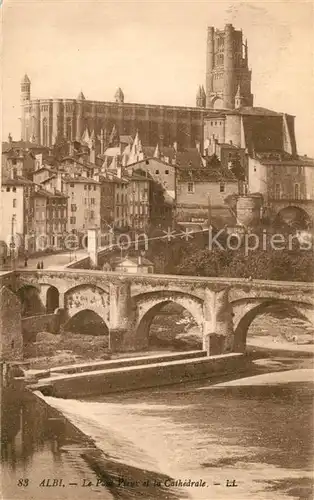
(136, 177)
(184, 157)
(133, 165)
(257, 111)
(48, 194)
(18, 181)
(113, 179)
(205, 175)
(134, 260)
(6, 146)
(80, 180)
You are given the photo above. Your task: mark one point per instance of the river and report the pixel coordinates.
(254, 433)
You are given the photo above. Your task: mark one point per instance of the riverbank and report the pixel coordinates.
(255, 429)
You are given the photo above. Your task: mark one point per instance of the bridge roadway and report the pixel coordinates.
(223, 308)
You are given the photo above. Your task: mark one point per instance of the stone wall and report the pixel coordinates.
(83, 263)
(11, 340)
(42, 323)
(143, 376)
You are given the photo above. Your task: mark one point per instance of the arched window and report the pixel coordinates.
(69, 129)
(45, 132)
(296, 191)
(277, 191)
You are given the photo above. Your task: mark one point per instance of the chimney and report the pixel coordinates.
(92, 154)
(10, 138)
(139, 260)
(59, 182)
(230, 142)
(175, 146)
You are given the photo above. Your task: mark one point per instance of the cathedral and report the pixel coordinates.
(224, 110)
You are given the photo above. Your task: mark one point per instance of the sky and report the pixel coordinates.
(155, 51)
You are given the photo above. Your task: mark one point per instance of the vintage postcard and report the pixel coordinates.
(156, 250)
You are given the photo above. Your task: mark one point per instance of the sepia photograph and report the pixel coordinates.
(156, 250)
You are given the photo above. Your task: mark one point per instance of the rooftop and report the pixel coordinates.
(18, 181)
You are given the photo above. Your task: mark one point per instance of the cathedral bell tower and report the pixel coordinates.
(227, 69)
(25, 98)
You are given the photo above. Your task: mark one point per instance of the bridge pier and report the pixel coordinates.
(120, 309)
(218, 324)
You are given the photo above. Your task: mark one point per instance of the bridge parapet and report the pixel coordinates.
(128, 303)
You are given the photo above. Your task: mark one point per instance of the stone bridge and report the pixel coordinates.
(223, 308)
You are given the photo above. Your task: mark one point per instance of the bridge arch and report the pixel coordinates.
(30, 298)
(52, 299)
(88, 322)
(87, 297)
(148, 305)
(246, 310)
(295, 216)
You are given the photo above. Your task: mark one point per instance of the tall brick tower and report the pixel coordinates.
(227, 72)
(25, 98)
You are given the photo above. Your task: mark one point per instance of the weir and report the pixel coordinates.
(129, 374)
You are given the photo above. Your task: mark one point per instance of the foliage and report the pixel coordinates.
(290, 265)
(194, 258)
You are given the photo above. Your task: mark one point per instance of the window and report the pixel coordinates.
(190, 187)
(85, 187)
(296, 191)
(72, 220)
(147, 162)
(166, 171)
(92, 200)
(85, 201)
(94, 188)
(277, 191)
(89, 187)
(14, 203)
(92, 214)
(73, 208)
(69, 129)
(118, 198)
(222, 187)
(14, 189)
(72, 185)
(45, 132)
(8, 189)
(157, 172)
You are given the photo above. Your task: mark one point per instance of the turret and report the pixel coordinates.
(209, 63)
(201, 97)
(119, 96)
(25, 97)
(228, 83)
(25, 89)
(239, 99)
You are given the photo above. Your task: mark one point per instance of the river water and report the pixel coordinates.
(255, 433)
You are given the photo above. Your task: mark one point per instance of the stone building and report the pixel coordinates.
(202, 194)
(83, 203)
(225, 109)
(286, 185)
(17, 197)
